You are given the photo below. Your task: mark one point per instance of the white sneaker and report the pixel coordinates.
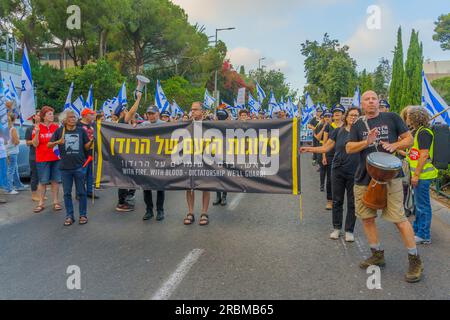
(335, 234)
(12, 192)
(418, 240)
(349, 237)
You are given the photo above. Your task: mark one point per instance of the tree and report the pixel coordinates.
(442, 31)
(395, 90)
(412, 79)
(382, 77)
(330, 71)
(365, 81)
(442, 86)
(182, 91)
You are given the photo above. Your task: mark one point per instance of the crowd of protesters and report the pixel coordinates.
(62, 153)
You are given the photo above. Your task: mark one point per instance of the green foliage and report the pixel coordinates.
(382, 77)
(412, 78)
(330, 71)
(365, 81)
(442, 86)
(442, 31)
(182, 91)
(395, 90)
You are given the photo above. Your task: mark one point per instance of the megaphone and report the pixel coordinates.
(142, 82)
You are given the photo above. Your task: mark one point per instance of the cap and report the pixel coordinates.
(165, 114)
(338, 107)
(152, 109)
(87, 111)
(384, 103)
(222, 114)
(327, 113)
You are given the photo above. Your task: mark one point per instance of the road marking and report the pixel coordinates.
(235, 202)
(360, 246)
(172, 283)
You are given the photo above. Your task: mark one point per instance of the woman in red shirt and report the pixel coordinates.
(47, 161)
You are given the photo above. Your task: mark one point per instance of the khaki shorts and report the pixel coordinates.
(393, 212)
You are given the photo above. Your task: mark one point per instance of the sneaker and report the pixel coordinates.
(420, 240)
(329, 205)
(148, 215)
(377, 259)
(124, 207)
(322, 189)
(23, 188)
(349, 237)
(335, 234)
(12, 192)
(415, 269)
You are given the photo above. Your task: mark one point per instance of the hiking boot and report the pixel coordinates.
(160, 215)
(415, 270)
(148, 215)
(377, 259)
(329, 205)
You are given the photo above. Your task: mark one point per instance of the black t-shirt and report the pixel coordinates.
(343, 161)
(390, 127)
(29, 136)
(329, 130)
(314, 123)
(72, 151)
(424, 139)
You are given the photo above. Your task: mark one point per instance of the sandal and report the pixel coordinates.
(83, 220)
(204, 219)
(189, 219)
(38, 209)
(57, 207)
(68, 222)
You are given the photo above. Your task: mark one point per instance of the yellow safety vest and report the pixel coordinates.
(428, 170)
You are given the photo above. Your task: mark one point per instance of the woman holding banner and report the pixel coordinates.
(342, 172)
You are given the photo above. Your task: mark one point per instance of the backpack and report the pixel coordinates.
(441, 156)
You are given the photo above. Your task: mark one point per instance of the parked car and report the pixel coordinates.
(24, 150)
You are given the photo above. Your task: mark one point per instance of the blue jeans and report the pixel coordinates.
(68, 178)
(422, 224)
(3, 173)
(13, 174)
(89, 178)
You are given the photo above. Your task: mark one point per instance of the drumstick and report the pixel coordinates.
(437, 115)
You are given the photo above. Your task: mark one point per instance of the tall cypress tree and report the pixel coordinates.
(395, 90)
(411, 90)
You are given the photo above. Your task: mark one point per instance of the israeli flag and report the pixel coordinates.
(208, 101)
(254, 105)
(176, 110)
(160, 98)
(290, 108)
(78, 106)
(260, 92)
(90, 99)
(69, 104)
(27, 102)
(108, 108)
(434, 102)
(227, 106)
(273, 105)
(56, 151)
(122, 96)
(4, 130)
(357, 98)
(308, 111)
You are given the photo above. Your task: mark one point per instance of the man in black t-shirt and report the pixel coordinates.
(313, 123)
(383, 132)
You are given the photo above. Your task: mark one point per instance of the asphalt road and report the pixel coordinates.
(255, 248)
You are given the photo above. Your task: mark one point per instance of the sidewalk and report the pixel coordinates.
(440, 211)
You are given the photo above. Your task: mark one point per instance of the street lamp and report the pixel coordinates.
(215, 78)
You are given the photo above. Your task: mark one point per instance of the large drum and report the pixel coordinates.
(382, 167)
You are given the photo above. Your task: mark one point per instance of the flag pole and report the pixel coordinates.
(440, 113)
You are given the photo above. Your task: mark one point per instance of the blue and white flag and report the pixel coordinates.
(122, 96)
(69, 105)
(357, 98)
(273, 105)
(208, 101)
(176, 110)
(56, 152)
(290, 108)
(90, 99)
(108, 107)
(160, 98)
(260, 92)
(308, 111)
(254, 105)
(4, 130)
(227, 106)
(27, 102)
(434, 102)
(78, 106)
(240, 100)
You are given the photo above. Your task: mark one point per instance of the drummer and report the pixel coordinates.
(382, 132)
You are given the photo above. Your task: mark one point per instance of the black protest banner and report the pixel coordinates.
(258, 156)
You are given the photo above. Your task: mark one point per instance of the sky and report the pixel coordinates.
(274, 30)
